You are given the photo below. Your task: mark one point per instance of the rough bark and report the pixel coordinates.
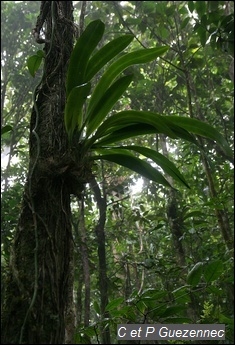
(39, 281)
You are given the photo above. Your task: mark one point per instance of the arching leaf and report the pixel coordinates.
(106, 53)
(201, 128)
(126, 159)
(161, 160)
(126, 132)
(129, 117)
(106, 103)
(134, 130)
(113, 71)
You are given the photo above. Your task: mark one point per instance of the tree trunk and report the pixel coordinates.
(192, 97)
(103, 279)
(85, 267)
(39, 281)
(174, 215)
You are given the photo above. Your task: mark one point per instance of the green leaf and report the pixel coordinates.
(174, 310)
(127, 124)
(193, 214)
(96, 307)
(90, 332)
(120, 312)
(141, 307)
(203, 129)
(162, 161)
(126, 159)
(203, 35)
(153, 293)
(200, 7)
(180, 132)
(179, 320)
(74, 106)
(204, 20)
(129, 117)
(191, 6)
(184, 23)
(213, 270)
(34, 63)
(181, 294)
(134, 130)
(6, 129)
(41, 53)
(106, 53)
(112, 72)
(227, 320)
(125, 133)
(106, 103)
(211, 289)
(213, 6)
(194, 276)
(114, 304)
(81, 53)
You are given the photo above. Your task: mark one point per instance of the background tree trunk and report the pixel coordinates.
(174, 215)
(192, 97)
(41, 264)
(103, 279)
